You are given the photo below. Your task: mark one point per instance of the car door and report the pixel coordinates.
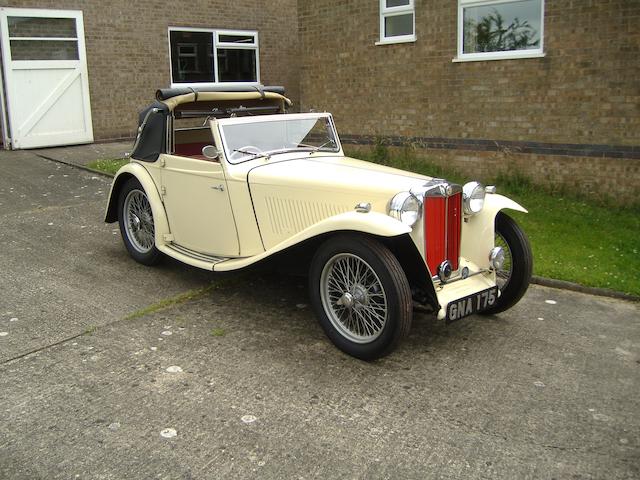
(197, 203)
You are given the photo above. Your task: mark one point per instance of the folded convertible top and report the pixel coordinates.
(166, 93)
(195, 102)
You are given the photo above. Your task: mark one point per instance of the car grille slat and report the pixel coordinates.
(442, 229)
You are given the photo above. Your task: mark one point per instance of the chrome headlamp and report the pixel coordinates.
(405, 206)
(473, 197)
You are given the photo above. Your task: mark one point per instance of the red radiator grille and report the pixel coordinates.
(442, 227)
(454, 226)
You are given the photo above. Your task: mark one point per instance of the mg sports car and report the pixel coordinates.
(224, 178)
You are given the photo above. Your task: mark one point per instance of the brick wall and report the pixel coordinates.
(583, 96)
(128, 53)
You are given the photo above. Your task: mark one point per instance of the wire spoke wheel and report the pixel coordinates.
(138, 221)
(360, 295)
(503, 275)
(353, 298)
(513, 278)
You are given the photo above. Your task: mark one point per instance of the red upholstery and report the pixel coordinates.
(190, 149)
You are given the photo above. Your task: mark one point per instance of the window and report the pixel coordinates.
(397, 21)
(497, 29)
(39, 38)
(213, 56)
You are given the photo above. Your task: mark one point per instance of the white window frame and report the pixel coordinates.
(386, 12)
(482, 56)
(216, 43)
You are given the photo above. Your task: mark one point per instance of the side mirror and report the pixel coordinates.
(210, 152)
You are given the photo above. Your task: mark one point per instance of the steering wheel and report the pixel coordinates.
(237, 154)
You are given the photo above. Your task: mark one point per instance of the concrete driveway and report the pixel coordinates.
(238, 381)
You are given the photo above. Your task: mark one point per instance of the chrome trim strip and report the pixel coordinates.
(446, 228)
(196, 255)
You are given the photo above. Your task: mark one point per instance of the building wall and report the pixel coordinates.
(128, 52)
(569, 110)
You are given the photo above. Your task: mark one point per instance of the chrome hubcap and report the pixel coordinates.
(353, 298)
(138, 221)
(346, 300)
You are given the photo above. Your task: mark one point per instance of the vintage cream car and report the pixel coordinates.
(224, 178)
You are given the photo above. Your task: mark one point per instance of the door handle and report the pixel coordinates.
(219, 188)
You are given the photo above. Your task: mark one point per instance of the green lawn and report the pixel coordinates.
(572, 238)
(108, 165)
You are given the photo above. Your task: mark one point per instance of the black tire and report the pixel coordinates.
(510, 234)
(146, 254)
(385, 282)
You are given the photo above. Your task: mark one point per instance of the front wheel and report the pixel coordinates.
(514, 276)
(136, 223)
(360, 295)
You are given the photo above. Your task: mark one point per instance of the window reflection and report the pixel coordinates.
(502, 27)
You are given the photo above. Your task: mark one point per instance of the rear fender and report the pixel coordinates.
(136, 170)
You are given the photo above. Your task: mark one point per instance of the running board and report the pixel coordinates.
(190, 257)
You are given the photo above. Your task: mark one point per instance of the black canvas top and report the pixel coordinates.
(152, 133)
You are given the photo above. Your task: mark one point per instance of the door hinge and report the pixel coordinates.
(162, 162)
(167, 237)
(163, 190)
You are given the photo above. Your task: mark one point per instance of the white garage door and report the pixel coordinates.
(45, 73)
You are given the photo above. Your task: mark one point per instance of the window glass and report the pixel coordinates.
(396, 21)
(397, 3)
(398, 25)
(191, 57)
(236, 39)
(41, 27)
(44, 50)
(502, 27)
(244, 141)
(213, 56)
(236, 65)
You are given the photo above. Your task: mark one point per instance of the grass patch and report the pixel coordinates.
(217, 332)
(172, 301)
(573, 237)
(110, 166)
(90, 330)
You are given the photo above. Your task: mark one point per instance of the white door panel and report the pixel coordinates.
(198, 208)
(45, 75)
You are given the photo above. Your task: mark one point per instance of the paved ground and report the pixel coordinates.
(82, 155)
(251, 388)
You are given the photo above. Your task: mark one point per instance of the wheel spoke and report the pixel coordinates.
(503, 276)
(362, 312)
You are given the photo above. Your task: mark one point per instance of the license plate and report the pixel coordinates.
(471, 304)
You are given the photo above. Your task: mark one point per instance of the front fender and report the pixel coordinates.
(478, 231)
(493, 203)
(136, 170)
(372, 223)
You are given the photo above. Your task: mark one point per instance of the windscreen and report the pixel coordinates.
(246, 141)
